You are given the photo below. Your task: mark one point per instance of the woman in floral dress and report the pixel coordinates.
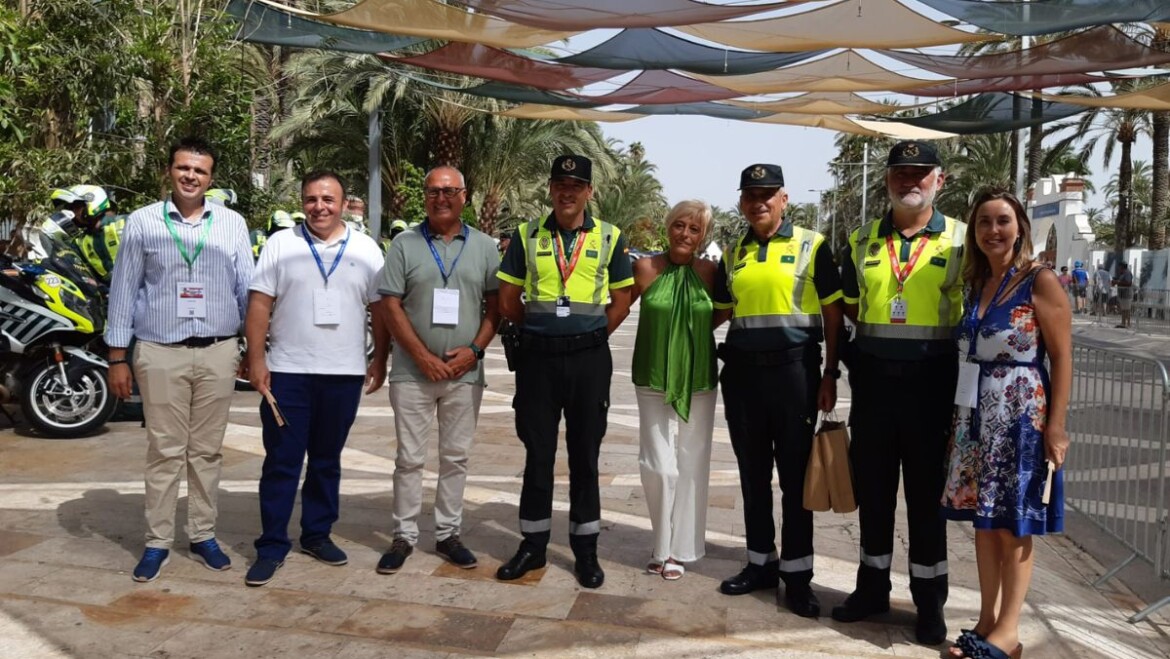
(1013, 421)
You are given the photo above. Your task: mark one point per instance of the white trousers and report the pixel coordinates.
(675, 461)
(416, 404)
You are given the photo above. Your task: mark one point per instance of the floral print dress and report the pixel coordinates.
(996, 470)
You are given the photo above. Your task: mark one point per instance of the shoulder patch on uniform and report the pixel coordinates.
(939, 261)
(873, 249)
(545, 242)
(788, 258)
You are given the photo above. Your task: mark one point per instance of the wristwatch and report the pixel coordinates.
(476, 350)
(834, 373)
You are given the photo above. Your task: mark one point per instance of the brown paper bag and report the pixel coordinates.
(816, 480)
(828, 480)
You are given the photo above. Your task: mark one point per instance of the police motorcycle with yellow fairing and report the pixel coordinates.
(50, 314)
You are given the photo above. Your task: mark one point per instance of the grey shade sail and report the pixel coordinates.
(654, 49)
(1048, 16)
(994, 113)
(261, 23)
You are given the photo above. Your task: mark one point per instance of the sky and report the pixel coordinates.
(701, 157)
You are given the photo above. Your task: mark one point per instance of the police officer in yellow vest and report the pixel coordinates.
(781, 287)
(99, 235)
(575, 272)
(904, 292)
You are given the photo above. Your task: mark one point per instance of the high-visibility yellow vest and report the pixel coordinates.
(101, 249)
(778, 291)
(933, 291)
(587, 287)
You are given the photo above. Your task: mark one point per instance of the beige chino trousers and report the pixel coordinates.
(186, 398)
(416, 405)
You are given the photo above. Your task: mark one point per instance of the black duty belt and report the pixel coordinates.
(541, 343)
(904, 367)
(732, 355)
(200, 341)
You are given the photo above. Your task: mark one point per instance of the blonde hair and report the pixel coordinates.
(699, 210)
(976, 267)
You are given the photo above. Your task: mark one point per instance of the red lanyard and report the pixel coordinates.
(903, 273)
(567, 269)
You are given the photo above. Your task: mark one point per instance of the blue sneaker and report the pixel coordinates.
(153, 560)
(262, 571)
(213, 557)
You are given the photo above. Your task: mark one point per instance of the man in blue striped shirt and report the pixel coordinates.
(180, 288)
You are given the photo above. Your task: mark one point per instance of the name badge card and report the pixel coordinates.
(192, 299)
(446, 307)
(563, 306)
(898, 310)
(967, 391)
(326, 307)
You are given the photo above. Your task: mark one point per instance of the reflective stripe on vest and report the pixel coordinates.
(113, 238)
(587, 287)
(795, 310)
(933, 292)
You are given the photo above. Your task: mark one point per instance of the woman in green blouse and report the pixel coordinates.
(675, 379)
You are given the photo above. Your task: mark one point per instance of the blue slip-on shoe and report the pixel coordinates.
(327, 553)
(153, 560)
(262, 571)
(212, 556)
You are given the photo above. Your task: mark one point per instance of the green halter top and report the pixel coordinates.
(675, 348)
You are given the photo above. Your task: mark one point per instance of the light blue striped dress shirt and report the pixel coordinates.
(143, 289)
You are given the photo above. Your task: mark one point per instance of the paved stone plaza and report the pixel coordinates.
(71, 531)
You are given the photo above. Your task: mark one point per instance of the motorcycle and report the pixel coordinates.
(50, 315)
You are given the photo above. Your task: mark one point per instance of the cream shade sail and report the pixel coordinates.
(1154, 98)
(434, 20)
(823, 103)
(536, 111)
(846, 24)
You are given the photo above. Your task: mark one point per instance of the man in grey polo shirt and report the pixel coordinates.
(439, 300)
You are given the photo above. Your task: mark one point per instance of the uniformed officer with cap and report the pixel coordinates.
(781, 288)
(901, 276)
(576, 276)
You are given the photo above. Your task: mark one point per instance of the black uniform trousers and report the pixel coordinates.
(574, 382)
(771, 411)
(901, 417)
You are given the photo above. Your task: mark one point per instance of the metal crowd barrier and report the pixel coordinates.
(1151, 310)
(1119, 408)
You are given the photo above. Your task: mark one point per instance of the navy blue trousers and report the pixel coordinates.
(319, 410)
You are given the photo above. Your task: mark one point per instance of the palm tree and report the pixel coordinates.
(1160, 134)
(633, 193)
(1117, 126)
(507, 153)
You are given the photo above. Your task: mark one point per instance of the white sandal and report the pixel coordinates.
(672, 570)
(654, 567)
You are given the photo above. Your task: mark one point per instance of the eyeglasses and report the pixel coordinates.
(448, 193)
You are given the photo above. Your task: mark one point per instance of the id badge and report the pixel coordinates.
(967, 391)
(563, 306)
(445, 310)
(326, 307)
(192, 299)
(898, 310)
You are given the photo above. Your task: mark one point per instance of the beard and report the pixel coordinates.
(919, 200)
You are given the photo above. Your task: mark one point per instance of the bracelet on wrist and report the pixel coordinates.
(112, 362)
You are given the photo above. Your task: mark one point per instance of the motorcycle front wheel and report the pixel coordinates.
(67, 409)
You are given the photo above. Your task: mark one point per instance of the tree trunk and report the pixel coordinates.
(1161, 194)
(1121, 240)
(1035, 150)
(489, 213)
(1015, 159)
(449, 148)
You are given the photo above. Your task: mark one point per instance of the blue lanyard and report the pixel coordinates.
(426, 232)
(321, 264)
(975, 320)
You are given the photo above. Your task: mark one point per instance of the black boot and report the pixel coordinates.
(752, 578)
(527, 558)
(929, 596)
(588, 571)
(800, 599)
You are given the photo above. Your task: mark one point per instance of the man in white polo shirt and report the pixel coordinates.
(309, 297)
